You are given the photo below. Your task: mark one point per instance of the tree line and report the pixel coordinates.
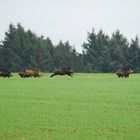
(21, 49)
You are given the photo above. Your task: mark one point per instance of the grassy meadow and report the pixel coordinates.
(85, 107)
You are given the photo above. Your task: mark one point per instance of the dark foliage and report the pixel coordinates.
(22, 49)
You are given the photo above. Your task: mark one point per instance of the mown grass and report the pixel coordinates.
(85, 107)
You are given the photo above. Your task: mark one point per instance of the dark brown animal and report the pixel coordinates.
(124, 72)
(23, 74)
(5, 73)
(30, 73)
(62, 71)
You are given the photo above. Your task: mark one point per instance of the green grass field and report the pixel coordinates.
(85, 107)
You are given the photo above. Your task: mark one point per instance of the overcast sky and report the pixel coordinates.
(71, 19)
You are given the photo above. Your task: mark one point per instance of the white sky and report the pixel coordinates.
(71, 19)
